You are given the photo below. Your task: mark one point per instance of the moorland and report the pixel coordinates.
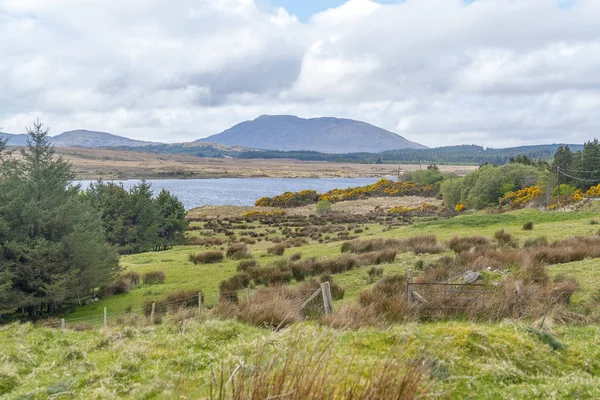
(432, 286)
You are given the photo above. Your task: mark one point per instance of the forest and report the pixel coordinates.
(58, 242)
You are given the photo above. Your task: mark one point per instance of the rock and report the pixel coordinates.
(471, 277)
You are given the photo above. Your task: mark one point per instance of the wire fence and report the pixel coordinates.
(152, 311)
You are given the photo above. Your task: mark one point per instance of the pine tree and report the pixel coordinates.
(172, 222)
(52, 246)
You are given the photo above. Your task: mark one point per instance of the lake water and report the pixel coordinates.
(239, 191)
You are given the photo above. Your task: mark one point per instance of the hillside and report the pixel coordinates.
(327, 135)
(80, 138)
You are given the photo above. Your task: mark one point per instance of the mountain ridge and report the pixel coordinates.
(323, 134)
(80, 138)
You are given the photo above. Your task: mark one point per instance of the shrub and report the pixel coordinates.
(323, 207)
(277, 250)
(419, 265)
(536, 242)
(238, 251)
(270, 308)
(245, 265)
(375, 273)
(425, 245)
(132, 277)
(466, 243)
(504, 239)
(119, 287)
(153, 278)
(528, 226)
(207, 257)
(296, 257)
(210, 241)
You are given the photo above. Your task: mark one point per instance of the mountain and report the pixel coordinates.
(326, 135)
(92, 139)
(14, 140)
(80, 138)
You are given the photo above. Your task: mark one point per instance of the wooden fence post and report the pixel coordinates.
(62, 324)
(327, 300)
(105, 317)
(199, 303)
(152, 312)
(409, 285)
(518, 299)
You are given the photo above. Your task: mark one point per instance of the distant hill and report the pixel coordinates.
(14, 140)
(326, 135)
(80, 138)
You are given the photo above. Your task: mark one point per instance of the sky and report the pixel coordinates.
(497, 73)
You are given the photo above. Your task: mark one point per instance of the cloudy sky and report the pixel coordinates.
(440, 72)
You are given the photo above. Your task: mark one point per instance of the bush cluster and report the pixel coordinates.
(382, 188)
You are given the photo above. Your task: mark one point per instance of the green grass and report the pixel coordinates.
(465, 360)
(182, 274)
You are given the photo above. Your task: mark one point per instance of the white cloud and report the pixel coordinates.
(439, 72)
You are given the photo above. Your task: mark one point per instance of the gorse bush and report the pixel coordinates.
(382, 188)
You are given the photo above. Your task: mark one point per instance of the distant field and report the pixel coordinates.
(117, 164)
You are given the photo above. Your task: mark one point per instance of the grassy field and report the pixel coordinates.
(117, 164)
(467, 360)
(462, 359)
(182, 274)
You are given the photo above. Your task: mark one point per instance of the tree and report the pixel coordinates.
(485, 186)
(133, 220)
(52, 247)
(172, 223)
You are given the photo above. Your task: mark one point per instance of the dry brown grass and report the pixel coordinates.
(272, 307)
(301, 373)
(238, 251)
(207, 257)
(468, 243)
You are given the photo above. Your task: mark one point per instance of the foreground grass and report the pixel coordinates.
(463, 359)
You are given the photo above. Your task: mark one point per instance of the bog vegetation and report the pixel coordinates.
(460, 303)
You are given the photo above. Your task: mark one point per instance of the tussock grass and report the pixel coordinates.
(207, 257)
(153, 278)
(238, 251)
(302, 372)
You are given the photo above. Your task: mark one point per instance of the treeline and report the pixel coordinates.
(136, 222)
(464, 154)
(568, 177)
(580, 168)
(59, 244)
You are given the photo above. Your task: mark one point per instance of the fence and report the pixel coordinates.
(151, 314)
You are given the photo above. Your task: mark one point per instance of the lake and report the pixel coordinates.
(239, 191)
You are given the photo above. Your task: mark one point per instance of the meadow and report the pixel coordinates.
(541, 353)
